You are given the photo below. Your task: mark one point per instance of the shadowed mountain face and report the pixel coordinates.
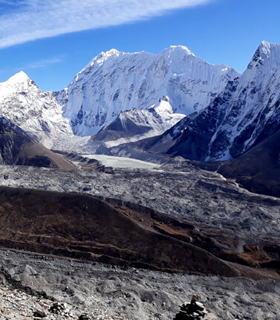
(17, 147)
(258, 169)
(135, 125)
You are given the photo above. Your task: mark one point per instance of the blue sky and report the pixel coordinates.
(52, 40)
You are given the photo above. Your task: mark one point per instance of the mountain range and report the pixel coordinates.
(245, 113)
(146, 106)
(154, 91)
(116, 81)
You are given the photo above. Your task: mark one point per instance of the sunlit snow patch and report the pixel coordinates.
(121, 162)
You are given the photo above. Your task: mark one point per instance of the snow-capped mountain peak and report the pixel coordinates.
(135, 124)
(18, 82)
(267, 48)
(107, 60)
(178, 49)
(33, 110)
(266, 56)
(103, 56)
(245, 113)
(117, 81)
(250, 107)
(109, 52)
(19, 77)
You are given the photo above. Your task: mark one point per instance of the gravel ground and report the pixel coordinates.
(107, 292)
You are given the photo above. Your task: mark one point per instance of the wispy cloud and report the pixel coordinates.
(34, 65)
(28, 20)
(41, 63)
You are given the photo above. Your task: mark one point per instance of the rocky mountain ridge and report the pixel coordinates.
(135, 125)
(33, 110)
(244, 114)
(17, 147)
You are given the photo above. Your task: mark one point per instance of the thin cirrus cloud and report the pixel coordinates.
(27, 20)
(34, 65)
(42, 63)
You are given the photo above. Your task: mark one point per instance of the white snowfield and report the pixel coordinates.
(121, 162)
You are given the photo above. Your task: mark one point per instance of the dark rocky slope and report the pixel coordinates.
(116, 232)
(258, 170)
(84, 227)
(214, 240)
(19, 148)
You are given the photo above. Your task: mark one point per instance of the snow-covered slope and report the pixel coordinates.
(252, 112)
(134, 125)
(116, 81)
(244, 114)
(35, 111)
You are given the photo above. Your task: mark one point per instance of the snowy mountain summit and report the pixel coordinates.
(33, 110)
(251, 112)
(116, 81)
(19, 80)
(267, 55)
(133, 125)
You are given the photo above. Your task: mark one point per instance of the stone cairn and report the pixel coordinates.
(192, 311)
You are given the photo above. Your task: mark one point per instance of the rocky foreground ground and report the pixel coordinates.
(106, 292)
(17, 304)
(18, 301)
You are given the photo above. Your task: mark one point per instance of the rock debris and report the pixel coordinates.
(18, 305)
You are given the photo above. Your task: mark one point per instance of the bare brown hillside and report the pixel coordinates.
(84, 227)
